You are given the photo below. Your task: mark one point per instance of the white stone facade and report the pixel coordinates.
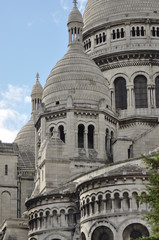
(97, 113)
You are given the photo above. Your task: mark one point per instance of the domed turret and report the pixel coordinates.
(36, 94)
(75, 75)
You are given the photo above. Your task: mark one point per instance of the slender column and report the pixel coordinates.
(149, 96)
(86, 139)
(112, 205)
(127, 33)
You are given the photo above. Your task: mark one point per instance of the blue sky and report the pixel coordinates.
(33, 37)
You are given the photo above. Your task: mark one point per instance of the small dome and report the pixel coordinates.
(75, 75)
(37, 88)
(103, 11)
(26, 136)
(75, 16)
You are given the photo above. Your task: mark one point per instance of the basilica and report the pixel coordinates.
(75, 170)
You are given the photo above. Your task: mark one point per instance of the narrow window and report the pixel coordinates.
(138, 31)
(6, 169)
(91, 136)
(157, 91)
(120, 93)
(81, 136)
(122, 33)
(89, 43)
(153, 32)
(111, 146)
(114, 35)
(96, 39)
(104, 37)
(61, 133)
(100, 38)
(133, 32)
(140, 88)
(157, 31)
(107, 140)
(51, 131)
(142, 31)
(118, 33)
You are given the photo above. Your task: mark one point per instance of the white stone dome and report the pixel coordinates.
(26, 136)
(75, 78)
(75, 75)
(75, 16)
(103, 11)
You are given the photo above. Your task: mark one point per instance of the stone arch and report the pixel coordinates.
(56, 236)
(51, 129)
(5, 205)
(107, 224)
(145, 74)
(118, 75)
(134, 231)
(102, 233)
(129, 222)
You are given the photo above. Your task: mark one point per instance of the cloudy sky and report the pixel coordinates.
(33, 37)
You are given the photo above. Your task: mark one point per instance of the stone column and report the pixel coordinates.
(127, 33)
(108, 33)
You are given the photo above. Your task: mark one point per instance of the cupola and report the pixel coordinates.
(36, 94)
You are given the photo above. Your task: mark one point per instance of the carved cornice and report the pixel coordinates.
(126, 123)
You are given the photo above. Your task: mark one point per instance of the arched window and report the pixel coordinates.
(120, 93)
(51, 131)
(140, 88)
(83, 236)
(81, 136)
(61, 133)
(102, 233)
(135, 231)
(91, 136)
(107, 140)
(117, 201)
(111, 143)
(157, 91)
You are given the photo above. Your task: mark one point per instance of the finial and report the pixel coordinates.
(37, 76)
(75, 3)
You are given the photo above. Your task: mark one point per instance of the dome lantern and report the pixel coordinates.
(36, 94)
(75, 25)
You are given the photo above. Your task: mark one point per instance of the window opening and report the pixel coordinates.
(91, 136)
(81, 136)
(6, 169)
(61, 133)
(120, 93)
(140, 88)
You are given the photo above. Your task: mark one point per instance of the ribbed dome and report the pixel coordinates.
(75, 80)
(102, 11)
(75, 75)
(26, 136)
(75, 16)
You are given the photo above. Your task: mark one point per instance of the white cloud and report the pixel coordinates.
(12, 116)
(56, 17)
(64, 4)
(82, 4)
(27, 99)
